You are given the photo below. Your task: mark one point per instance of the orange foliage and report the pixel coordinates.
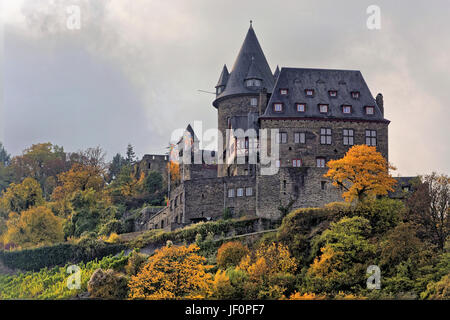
(306, 296)
(173, 273)
(230, 254)
(174, 170)
(362, 172)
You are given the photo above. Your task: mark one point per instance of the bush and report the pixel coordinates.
(107, 285)
(135, 263)
(383, 214)
(113, 226)
(230, 254)
(58, 255)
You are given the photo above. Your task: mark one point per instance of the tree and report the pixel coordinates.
(362, 172)
(344, 254)
(79, 178)
(131, 156)
(429, 208)
(174, 171)
(173, 273)
(5, 158)
(116, 165)
(40, 162)
(22, 196)
(34, 226)
(230, 254)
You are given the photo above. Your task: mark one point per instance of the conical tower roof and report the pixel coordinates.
(250, 53)
(223, 79)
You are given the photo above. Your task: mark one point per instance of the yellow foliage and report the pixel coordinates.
(22, 196)
(362, 172)
(34, 226)
(306, 296)
(79, 178)
(269, 260)
(174, 170)
(173, 273)
(222, 288)
(113, 238)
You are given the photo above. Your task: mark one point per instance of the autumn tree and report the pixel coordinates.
(34, 226)
(428, 207)
(173, 273)
(174, 171)
(22, 196)
(80, 177)
(40, 162)
(362, 172)
(230, 254)
(343, 253)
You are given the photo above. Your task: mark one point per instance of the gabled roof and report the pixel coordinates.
(253, 72)
(297, 80)
(250, 52)
(223, 79)
(192, 133)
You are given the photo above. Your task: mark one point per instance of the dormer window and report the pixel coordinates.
(323, 108)
(347, 109)
(253, 83)
(301, 107)
(355, 94)
(332, 93)
(309, 92)
(219, 90)
(370, 110)
(278, 107)
(253, 102)
(283, 91)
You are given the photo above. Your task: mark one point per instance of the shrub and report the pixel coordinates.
(222, 288)
(383, 214)
(135, 262)
(107, 285)
(230, 254)
(113, 226)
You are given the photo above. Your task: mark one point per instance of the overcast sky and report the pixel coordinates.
(132, 72)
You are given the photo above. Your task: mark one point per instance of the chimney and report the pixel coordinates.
(379, 100)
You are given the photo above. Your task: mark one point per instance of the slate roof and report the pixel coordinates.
(250, 52)
(297, 80)
(276, 73)
(223, 79)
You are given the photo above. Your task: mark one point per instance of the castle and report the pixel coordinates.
(319, 114)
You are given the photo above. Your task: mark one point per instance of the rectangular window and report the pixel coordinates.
(323, 185)
(370, 110)
(297, 163)
(301, 107)
(283, 91)
(346, 109)
(240, 192)
(277, 163)
(332, 93)
(371, 137)
(253, 102)
(323, 108)
(355, 94)
(248, 191)
(277, 107)
(299, 137)
(348, 135)
(320, 162)
(281, 137)
(230, 193)
(325, 136)
(309, 92)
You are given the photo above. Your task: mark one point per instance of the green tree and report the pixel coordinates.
(5, 158)
(131, 156)
(116, 165)
(22, 196)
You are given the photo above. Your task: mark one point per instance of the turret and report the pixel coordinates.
(223, 79)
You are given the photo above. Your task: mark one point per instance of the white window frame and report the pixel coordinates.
(299, 137)
(345, 108)
(320, 162)
(371, 137)
(231, 193)
(253, 102)
(325, 136)
(333, 93)
(239, 192)
(279, 138)
(301, 107)
(323, 106)
(370, 108)
(284, 91)
(248, 191)
(297, 163)
(348, 137)
(309, 92)
(276, 105)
